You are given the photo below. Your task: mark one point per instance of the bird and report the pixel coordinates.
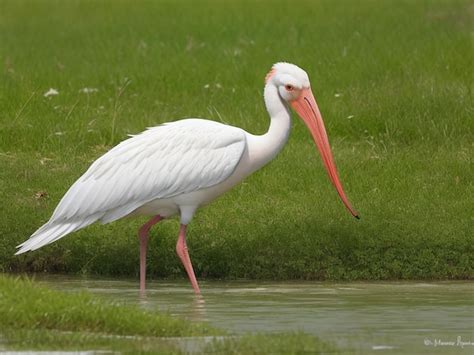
(174, 168)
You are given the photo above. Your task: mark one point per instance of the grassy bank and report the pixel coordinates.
(393, 81)
(35, 317)
(25, 305)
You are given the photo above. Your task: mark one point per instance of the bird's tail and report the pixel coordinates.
(52, 231)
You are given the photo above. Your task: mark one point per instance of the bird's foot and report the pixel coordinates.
(182, 251)
(143, 236)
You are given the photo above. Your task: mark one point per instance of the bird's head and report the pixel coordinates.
(294, 87)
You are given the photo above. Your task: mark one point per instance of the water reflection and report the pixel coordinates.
(198, 309)
(370, 317)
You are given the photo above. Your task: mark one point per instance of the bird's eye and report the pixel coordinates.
(289, 87)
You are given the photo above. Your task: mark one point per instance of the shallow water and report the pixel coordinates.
(394, 317)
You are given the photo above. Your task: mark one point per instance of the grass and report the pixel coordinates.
(53, 340)
(35, 317)
(292, 343)
(25, 305)
(393, 81)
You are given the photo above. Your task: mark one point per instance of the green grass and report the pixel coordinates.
(54, 340)
(394, 84)
(35, 317)
(284, 343)
(25, 305)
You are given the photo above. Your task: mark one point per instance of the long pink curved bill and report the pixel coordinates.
(308, 110)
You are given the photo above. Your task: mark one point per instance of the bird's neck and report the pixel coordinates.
(269, 144)
(280, 122)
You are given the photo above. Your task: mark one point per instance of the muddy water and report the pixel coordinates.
(410, 317)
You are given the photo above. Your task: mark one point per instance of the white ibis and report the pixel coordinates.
(177, 167)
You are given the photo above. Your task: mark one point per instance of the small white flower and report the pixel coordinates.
(350, 116)
(88, 90)
(51, 92)
(59, 133)
(219, 86)
(206, 86)
(337, 95)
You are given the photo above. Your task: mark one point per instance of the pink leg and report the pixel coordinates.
(143, 236)
(182, 251)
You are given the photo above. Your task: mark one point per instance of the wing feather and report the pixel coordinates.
(162, 162)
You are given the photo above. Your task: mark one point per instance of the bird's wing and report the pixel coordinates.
(162, 162)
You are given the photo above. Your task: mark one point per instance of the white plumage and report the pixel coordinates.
(162, 162)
